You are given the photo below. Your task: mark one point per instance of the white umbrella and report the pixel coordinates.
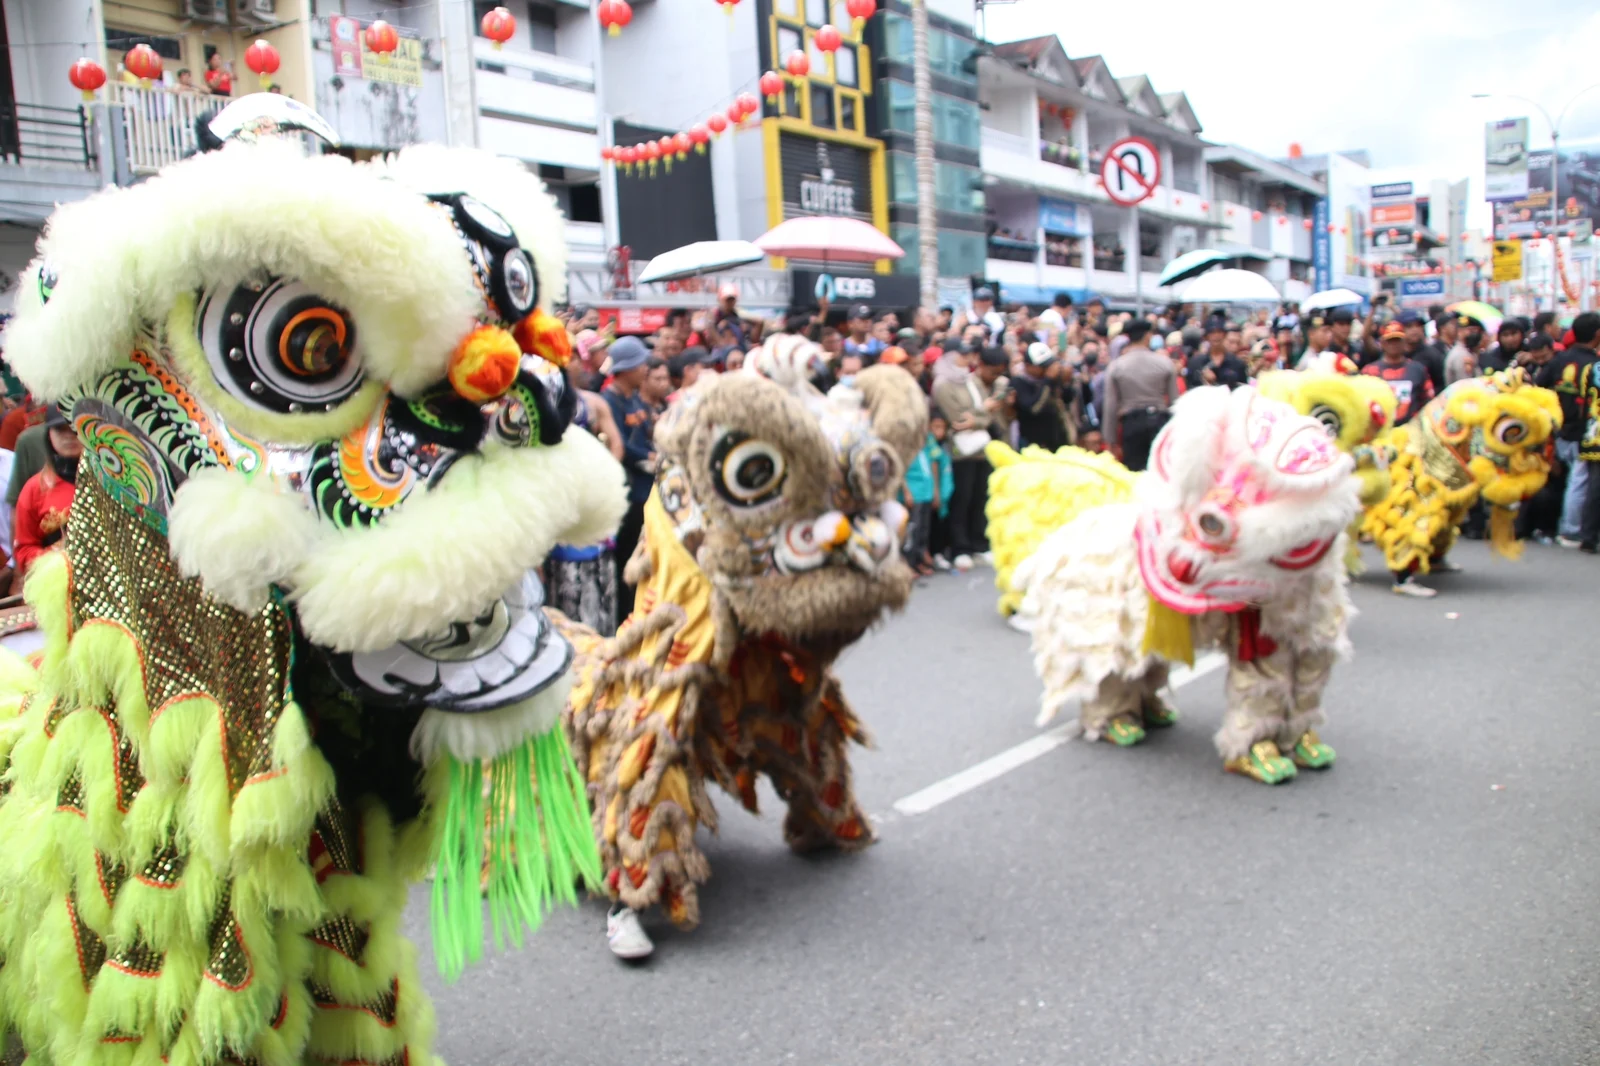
(1229, 286)
(701, 257)
(1327, 298)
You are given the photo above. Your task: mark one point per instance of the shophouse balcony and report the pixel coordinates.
(1012, 249)
(48, 156)
(537, 107)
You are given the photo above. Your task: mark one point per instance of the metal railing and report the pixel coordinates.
(159, 123)
(36, 133)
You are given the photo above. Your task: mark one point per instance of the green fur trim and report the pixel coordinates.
(540, 842)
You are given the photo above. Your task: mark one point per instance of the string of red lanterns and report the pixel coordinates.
(677, 146)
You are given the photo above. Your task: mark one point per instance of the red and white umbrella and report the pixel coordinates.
(831, 239)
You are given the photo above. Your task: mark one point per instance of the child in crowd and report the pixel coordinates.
(926, 493)
(1090, 440)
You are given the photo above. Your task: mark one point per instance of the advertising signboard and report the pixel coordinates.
(1321, 248)
(1580, 192)
(1507, 261)
(1064, 217)
(1394, 217)
(1420, 292)
(1505, 157)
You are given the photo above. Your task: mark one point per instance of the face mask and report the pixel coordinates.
(66, 467)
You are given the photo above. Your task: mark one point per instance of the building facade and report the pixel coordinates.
(1047, 121)
(1266, 211)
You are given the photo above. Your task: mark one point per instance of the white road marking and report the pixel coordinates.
(980, 774)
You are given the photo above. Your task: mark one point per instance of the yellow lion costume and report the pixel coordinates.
(1481, 437)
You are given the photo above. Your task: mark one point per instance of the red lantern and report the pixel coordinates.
(681, 144)
(747, 104)
(1341, 231)
(1331, 227)
(1538, 234)
(1205, 205)
(1367, 232)
(614, 14)
(860, 11)
(798, 64)
(499, 25)
(717, 124)
(728, 6)
(1393, 234)
(605, 154)
(143, 63)
(1177, 201)
(1255, 216)
(86, 76)
(772, 85)
(829, 39)
(263, 59)
(382, 38)
(699, 134)
(735, 113)
(652, 152)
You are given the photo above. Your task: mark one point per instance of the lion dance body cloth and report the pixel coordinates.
(1233, 539)
(771, 544)
(322, 416)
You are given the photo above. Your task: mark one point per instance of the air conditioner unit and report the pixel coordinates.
(255, 12)
(206, 10)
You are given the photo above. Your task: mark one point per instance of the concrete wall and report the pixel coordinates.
(38, 64)
(371, 114)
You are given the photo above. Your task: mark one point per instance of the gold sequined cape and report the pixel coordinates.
(181, 882)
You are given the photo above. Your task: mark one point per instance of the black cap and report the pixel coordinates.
(1342, 315)
(1511, 325)
(861, 311)
(983, 292)
(1540, 340)
(995, 357)
(53, 417)
(1409, 317)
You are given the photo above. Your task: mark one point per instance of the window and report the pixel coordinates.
(847, 113)
(898, 43)
(791, 99)
(955, 121)
(789, 40)
(947, 53)
(118, 42)
(791, 8)
(822, 106)
(900, 103)
(817, 12)
(961, 254)
(541, 27)
(844, 66)
(956, 188)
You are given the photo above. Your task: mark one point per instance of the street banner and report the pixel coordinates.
(1505, 155)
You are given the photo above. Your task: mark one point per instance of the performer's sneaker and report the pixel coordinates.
(962, 563)
(1022, 623)
(1444, 566)
(1411, 588)
(1123, 731)
(1310, 753)
(1263, 762)
(1568, 542)
(625, 936)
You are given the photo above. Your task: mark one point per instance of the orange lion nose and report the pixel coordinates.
(484, 365)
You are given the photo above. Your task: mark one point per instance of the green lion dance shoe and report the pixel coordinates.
(1123, 731)
(1158, 713)
(1310, 753)
(1264, 762)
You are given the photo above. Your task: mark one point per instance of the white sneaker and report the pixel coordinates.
(940, 563)
(1567, 542)
(962, 563)
(986, 558)
(625, 936)
(1444, 566)
(1411, 588)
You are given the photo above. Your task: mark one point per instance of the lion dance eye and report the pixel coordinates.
(1329, 418)
(746, 471)
(1510, 431)
(280, 346)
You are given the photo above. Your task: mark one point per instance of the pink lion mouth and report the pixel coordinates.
(1175, 578)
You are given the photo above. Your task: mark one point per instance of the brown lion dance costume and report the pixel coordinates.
(771, 545)
(293, 651)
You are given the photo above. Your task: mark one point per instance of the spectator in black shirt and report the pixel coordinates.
(1504, 354)
(1220, 363)
(1040, 405)
(1565, 374)
(1418, 348)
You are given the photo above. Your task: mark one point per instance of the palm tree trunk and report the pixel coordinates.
(927, 205)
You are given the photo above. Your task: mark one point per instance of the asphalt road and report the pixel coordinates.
(1434, 898)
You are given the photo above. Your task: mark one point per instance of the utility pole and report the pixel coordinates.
(927, 204)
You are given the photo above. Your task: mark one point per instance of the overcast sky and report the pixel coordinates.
(1395, 77)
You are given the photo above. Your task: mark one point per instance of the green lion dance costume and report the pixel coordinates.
(293, 642)
(770, 546)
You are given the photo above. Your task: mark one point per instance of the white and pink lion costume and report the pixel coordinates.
(1234, 540)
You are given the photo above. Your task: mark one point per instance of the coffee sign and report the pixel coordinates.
(823, 178)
